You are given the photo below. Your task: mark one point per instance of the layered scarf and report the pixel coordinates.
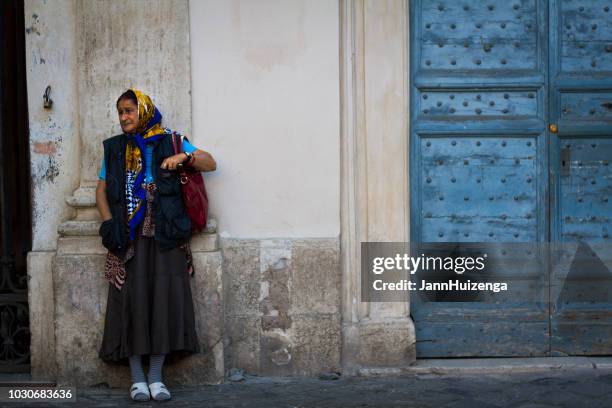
(149, 130)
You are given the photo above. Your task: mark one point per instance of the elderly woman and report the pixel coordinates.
(146, 231)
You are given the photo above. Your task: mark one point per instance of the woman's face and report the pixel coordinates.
(128, 115)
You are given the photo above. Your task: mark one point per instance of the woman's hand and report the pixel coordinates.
(102, 201)
(170, 163)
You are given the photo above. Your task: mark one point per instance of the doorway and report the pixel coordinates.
(15, 207)
(511, 138)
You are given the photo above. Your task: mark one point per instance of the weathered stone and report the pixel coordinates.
(373, 208)
(274, 303)
(315, 277)
(242, 342)
(40, 304)
(312, 345)
(386, 344)
(277, 353)
(211, 226)
(81, 245)
(54, 137)
(205, 242)
(207, 366)
(80, 304)
(83, 197)
(241, 277)
(79, 228)
(206, 287)
(282, 306)
(317, 343)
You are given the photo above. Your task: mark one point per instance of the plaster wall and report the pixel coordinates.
(51, 54)
(265, 82)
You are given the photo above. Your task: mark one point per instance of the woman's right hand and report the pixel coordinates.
(171, 162)
(102, 201)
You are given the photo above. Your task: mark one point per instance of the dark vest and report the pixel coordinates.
(172, 224)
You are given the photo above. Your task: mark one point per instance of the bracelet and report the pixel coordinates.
(191, 159)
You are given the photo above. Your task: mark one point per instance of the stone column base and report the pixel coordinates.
(374, 344)
(80, 306)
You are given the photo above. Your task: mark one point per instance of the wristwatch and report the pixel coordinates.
(188, 157)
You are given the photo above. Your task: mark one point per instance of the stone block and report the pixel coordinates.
(317, 343)
(310, 346)
(242, 342)
(79, 228)
(205, 242)
(277, 353)
(80, 246)
(315, 277)
(282, 305)
(211, 225)
(241, 277)
(240, 259)
(41, 309)
(80, 306)
(389, 343)
(206, 288)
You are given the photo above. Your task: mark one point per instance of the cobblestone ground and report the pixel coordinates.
(555, 388)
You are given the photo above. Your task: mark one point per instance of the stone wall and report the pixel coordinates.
(282, 305)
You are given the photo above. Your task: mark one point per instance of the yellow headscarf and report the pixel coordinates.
(149, 129)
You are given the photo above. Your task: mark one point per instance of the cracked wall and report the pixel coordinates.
(54, 158)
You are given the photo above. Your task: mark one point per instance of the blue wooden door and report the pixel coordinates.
(479, 165)
(580, 152)
(510, 142)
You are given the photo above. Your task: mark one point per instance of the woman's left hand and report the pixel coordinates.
(170, 163)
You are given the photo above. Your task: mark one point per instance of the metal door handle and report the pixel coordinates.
(553, 128)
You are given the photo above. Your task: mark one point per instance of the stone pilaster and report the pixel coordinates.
(374, 174)
(80, 293)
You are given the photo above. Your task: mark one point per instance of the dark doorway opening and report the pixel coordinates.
(15, 200)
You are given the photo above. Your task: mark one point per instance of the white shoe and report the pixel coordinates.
(140, 392)
(159, 392)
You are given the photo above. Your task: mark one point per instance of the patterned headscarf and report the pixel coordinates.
(148, 130)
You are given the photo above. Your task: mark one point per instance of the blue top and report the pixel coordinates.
(148, 158)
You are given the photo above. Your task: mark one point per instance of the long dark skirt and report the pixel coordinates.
(153, 312)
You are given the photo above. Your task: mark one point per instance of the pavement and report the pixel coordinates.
(551, 386)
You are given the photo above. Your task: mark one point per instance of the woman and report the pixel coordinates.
(146, 231)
